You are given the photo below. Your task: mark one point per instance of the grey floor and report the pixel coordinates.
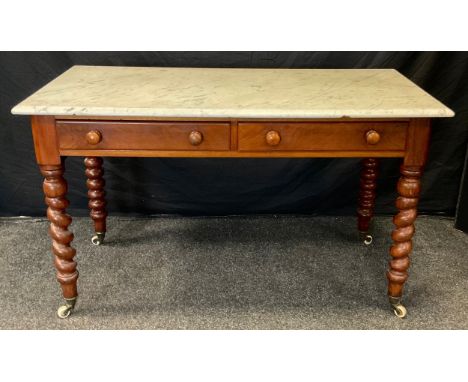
(234, 273)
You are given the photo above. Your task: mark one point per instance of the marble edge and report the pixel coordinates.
(450, 112)
(443, 112)
(31, 110)
(22, 109)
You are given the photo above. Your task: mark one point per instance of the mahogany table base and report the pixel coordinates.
(94, 138)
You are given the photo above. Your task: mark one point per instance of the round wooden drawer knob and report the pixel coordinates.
(273, 138)
(195, 138)
(93, 137)
(372, 137)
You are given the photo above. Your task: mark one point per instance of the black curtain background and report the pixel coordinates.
(145, 186)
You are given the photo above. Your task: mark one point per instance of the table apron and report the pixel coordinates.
(231, 138)
(233, 154)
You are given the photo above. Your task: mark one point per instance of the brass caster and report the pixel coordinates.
(65, 310)
(366, 238)
(399, 310)
(98, 238)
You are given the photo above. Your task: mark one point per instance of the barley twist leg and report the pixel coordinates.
(96, 194)
(409, 187)
(55, 190)
(367, 195)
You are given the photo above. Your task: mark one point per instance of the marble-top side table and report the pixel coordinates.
(97, 112)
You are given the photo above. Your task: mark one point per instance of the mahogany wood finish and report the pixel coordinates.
(55, 190)
(367, 194)
(417, 142)
(321, 136)
(273, 138)
(95, 137)
(234, 154)
(234, 124)
(45, 138)
(144, 135)
(234, 138)
(409, 187)
(195, 138)
(372, 137)
(96, 193)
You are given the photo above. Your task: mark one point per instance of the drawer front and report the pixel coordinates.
(84, 135)
(322, 136)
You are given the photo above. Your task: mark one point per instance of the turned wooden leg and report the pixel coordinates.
(96, 195)
(408, 187)
(367, 187)
(55, 189)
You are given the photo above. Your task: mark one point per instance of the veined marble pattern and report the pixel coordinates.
(232, 93)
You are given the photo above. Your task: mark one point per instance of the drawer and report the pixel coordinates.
(85, 135)
(322, 136)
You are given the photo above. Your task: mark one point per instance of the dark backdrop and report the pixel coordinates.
(232, 186)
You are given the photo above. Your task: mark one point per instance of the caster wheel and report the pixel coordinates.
(400, 311)
(64, 311)
(368, 239)
(98, 238)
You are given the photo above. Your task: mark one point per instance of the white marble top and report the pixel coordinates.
(232, 93)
